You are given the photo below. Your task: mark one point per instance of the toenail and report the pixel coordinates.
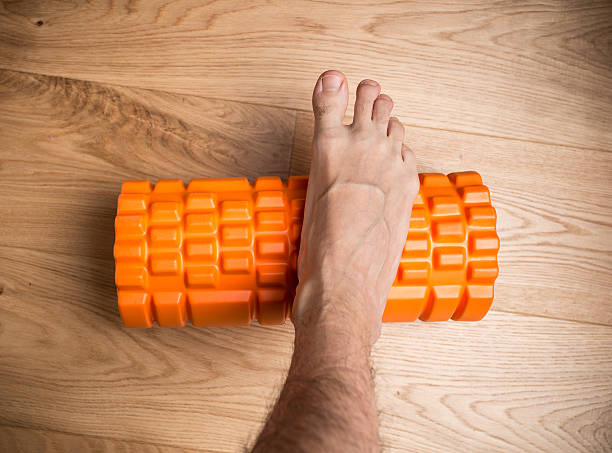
(368, 82)
(331, 82)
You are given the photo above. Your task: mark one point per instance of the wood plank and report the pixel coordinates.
(508, 383)
(528, 70)
(89, 137)
(554, 207)
(495, 386)
(25, 440)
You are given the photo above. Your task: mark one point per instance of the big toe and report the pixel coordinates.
(329, 99)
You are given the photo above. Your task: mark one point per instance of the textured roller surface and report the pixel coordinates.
(224, 252)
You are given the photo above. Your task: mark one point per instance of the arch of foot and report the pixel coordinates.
(449, 262)
(224, 252)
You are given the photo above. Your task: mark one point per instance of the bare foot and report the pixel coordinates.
(362, 184)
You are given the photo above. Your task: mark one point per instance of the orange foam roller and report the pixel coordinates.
(223, 252)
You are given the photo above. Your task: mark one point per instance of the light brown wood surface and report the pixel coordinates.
(520, 91)
(520, 69)
(24, 440)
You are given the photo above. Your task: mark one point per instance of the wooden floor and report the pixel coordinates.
(93, 93)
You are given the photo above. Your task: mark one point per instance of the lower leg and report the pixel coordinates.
(362, 184)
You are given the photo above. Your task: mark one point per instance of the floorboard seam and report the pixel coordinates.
(575, 321)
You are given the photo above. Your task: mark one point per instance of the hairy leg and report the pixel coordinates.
(362, 184)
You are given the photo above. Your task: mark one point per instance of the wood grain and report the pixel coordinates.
(530, 70)
(554, 207)
(520, 91)
(509, 383)
(25, 440)
(92, 137)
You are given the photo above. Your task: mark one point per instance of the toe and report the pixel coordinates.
(381, 111)
(367, 92)
(329, 99)
(395, 130)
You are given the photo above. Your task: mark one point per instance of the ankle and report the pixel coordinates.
(336, 313)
